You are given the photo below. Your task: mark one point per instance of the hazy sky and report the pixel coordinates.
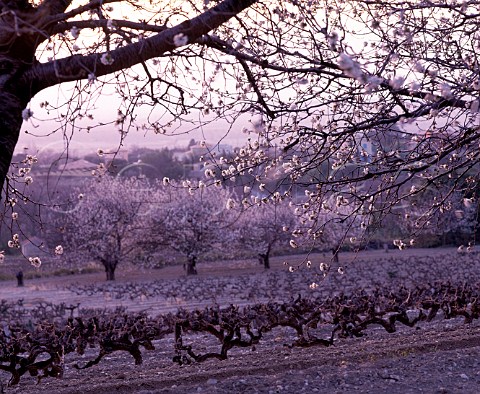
(108, 138)
(104, 103)
(36, 133)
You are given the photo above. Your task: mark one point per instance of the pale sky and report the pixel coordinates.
(108, 139)
(36, 133)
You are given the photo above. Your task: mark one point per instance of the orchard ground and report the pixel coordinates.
(441, 356)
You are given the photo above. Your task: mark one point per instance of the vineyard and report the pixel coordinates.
(209, 320)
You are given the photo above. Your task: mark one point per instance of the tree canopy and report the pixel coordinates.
(371, 102)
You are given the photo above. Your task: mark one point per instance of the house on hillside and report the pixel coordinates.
(69, 171)
(191, 157)
(387, 139)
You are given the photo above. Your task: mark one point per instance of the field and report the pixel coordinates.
(434, 355)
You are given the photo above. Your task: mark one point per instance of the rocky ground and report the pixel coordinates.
(441, 356)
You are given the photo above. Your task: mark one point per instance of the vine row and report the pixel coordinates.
(38, 342)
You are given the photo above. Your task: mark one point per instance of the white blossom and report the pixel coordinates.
(396, 82)
(107, 59)
(75, 32)
(414, 86)
(22, 171)
(475, 105)
(373, 83)
(332, 39)
(14, 242)
(30, 159)
(35, 261)
(445, 90)
(180, 40)
(350, 67)
(418, 67)
(27, 113)
(59, 250)
(230, 203)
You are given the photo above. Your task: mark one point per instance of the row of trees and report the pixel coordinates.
(116, 219)
(352, 93)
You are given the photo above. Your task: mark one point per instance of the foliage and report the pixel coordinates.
(194, 222)
(264, 227)
(454, 220)
(162, 162)
(356, 100)
(336, 224)
(108, 222)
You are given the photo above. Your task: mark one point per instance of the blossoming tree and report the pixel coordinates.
(455, 217)
(264, 227)
(198, 222)
(108, 223)
(336, 224)
(51, 42)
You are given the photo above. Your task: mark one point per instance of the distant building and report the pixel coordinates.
(191, 157)
(121, 154)
(387, 139)
(71, 169)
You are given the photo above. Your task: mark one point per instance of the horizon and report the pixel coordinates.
(84, 143)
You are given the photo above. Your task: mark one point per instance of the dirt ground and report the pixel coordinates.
(442, 356)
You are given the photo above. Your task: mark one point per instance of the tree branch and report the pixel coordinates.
(54, 7)
(62, 16)
(103, 23)
(73, 68)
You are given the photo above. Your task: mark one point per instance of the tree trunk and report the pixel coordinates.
(265, 258)
(192, 262)
(11, 108)
(110, 270)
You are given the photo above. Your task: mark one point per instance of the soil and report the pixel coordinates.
(442, 356)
